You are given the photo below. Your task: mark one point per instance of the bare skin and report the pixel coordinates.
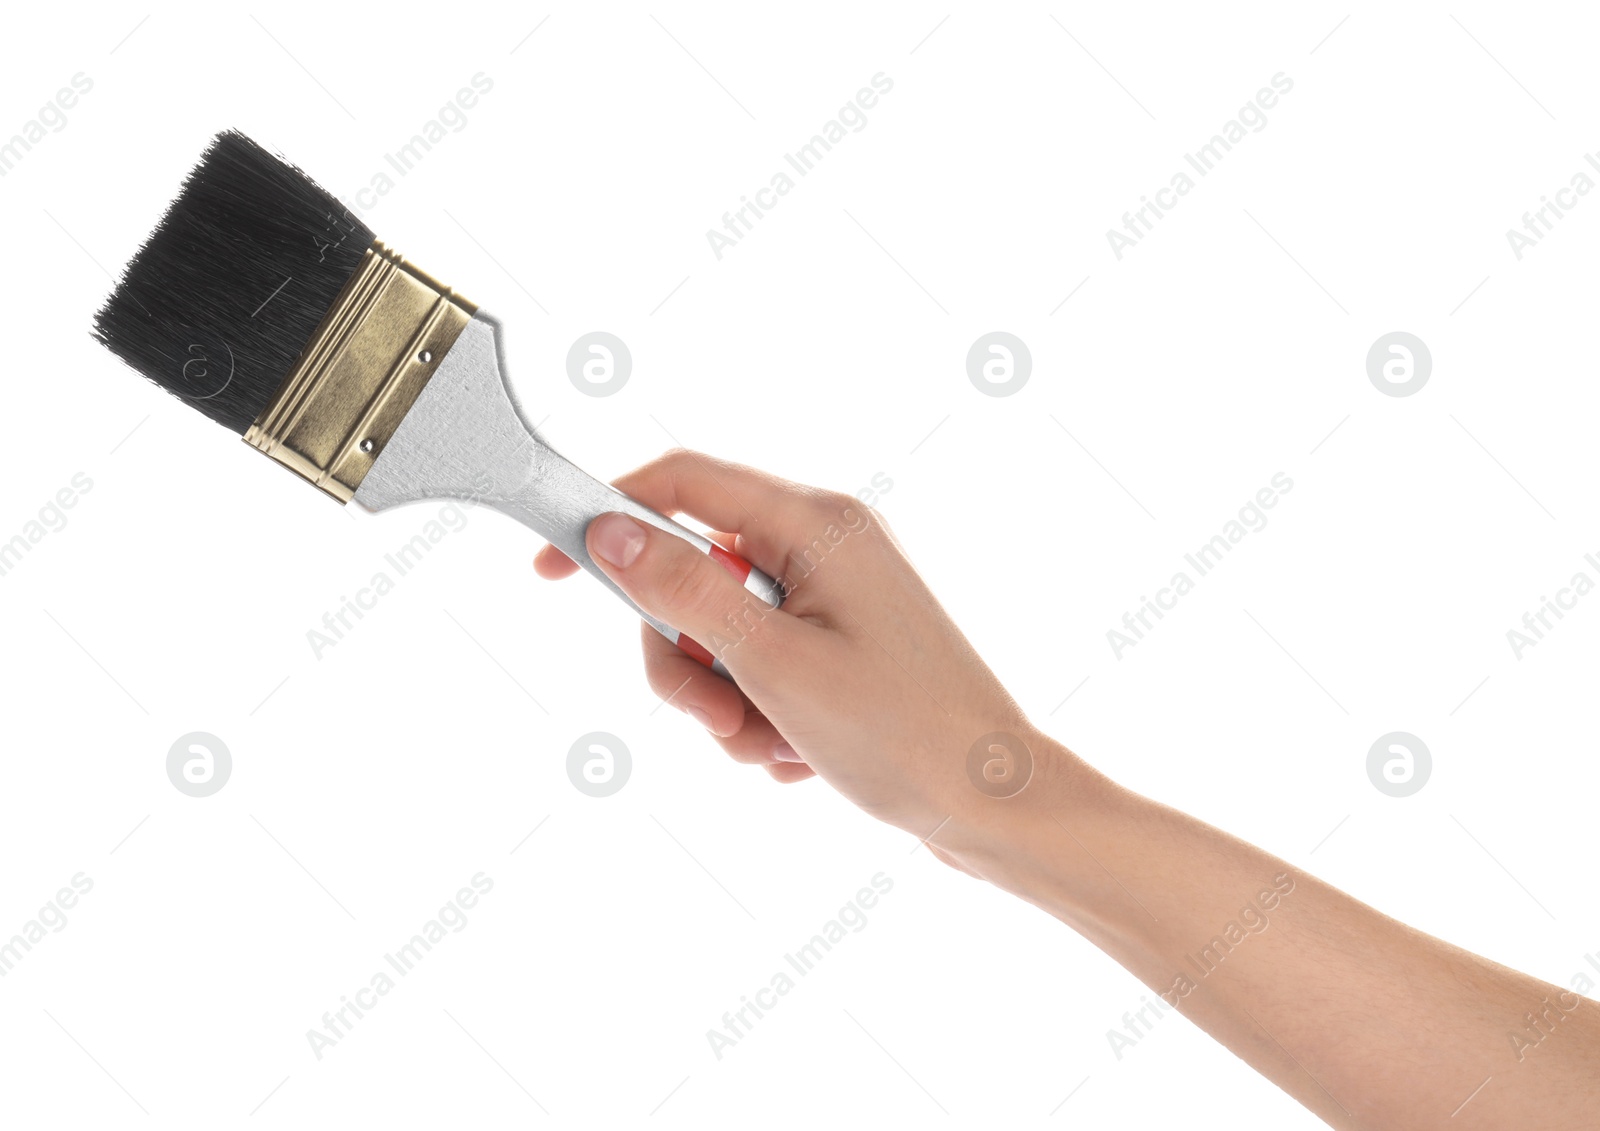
(863, 680)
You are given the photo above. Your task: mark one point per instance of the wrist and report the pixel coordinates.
(1018, 841)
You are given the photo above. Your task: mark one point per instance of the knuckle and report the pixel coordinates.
(840, 512)
(664, 466)
(679, 459)
(822, 506)
(842, 503)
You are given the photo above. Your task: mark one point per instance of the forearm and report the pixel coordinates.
(1366, 1021)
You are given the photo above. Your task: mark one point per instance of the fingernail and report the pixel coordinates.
(698, 716)
(617, 539)
(783, 752)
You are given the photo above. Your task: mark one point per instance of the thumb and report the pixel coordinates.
(701, 595)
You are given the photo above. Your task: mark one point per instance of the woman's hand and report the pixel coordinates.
(1368, 1022)
(860, 677)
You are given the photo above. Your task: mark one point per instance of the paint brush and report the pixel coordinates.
(262, 302)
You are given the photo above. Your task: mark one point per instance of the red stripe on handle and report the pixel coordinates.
(740, 569)
(691, 646)
(731, 562)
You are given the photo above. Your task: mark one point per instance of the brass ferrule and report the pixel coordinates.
(378, 345)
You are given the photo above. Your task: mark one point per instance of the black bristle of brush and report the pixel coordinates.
(218, 304)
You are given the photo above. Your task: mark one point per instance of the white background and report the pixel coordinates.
(828, 346)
